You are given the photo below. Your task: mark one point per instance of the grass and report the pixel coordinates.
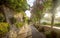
(56, 24)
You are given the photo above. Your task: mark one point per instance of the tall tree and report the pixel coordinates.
(9, 7)
(53, 11)
(39, 8)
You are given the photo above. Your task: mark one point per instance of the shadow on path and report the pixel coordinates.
(36, 33)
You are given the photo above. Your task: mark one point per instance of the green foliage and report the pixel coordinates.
(57, 24)
(45, 23)
(51, 34)
(55, 33)
(1, 17)
(48, 5)
(35, 19)
(16, 5)
(4, 27)
(39, 9)
(25, 18)
(20, 24)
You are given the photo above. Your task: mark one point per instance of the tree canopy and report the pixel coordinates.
(16, 5)
(40, 7)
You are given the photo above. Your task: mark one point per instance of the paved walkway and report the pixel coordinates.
(31, 32)
(36, 33)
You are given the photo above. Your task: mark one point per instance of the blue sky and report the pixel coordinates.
(30, 2)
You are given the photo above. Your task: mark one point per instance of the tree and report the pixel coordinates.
(17, 5)
(53, 11)
(9, 7)
(39, 8)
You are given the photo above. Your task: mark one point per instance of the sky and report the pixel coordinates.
(58, 12)
(30, 2)
(28, 13)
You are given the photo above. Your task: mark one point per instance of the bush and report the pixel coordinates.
(2, 18)
(57, 24)
(51, 34)
(4, 28)
(41, 29)
(18, 25)
(45, 23)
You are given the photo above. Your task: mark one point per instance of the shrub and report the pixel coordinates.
(51, 34)
(2, 18)
(45, 23)
(57, 24)
(41, 29)
(4, 27)
(18, 25)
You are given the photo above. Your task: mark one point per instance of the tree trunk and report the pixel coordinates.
(53, 12)
(9, 14)
(52, 21)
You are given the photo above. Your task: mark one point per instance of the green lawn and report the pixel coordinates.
(56, 24)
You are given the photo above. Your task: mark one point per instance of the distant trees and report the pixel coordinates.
(39, 8)
(42, 6)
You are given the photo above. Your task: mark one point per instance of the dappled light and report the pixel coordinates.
(29, 18)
